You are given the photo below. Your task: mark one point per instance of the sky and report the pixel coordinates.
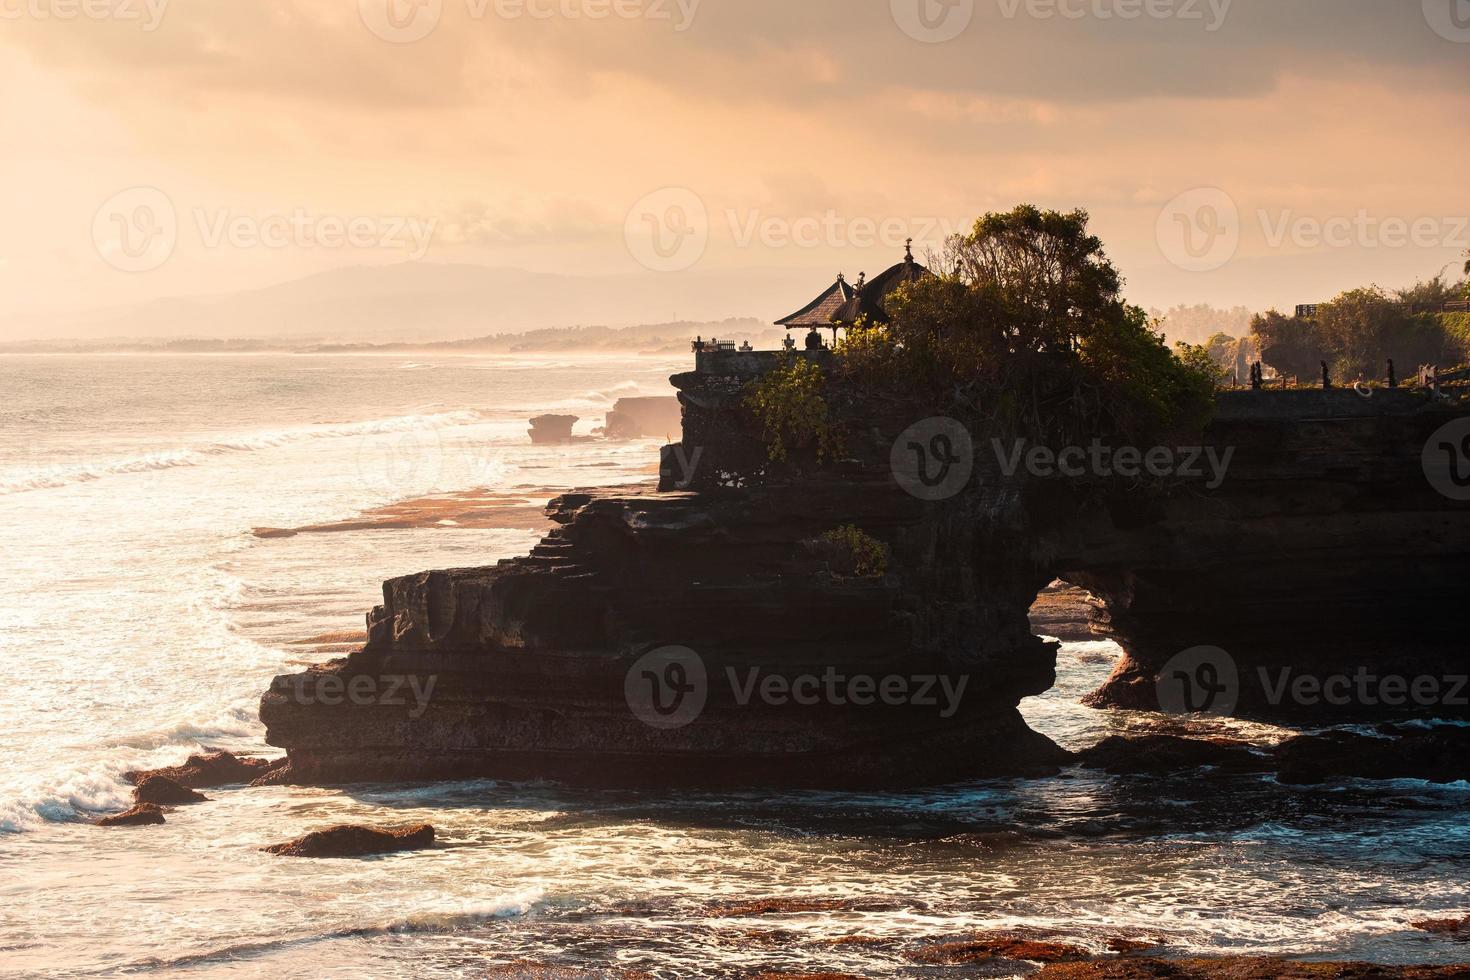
(1253, 152)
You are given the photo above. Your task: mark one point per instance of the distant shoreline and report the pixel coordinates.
(653, 339)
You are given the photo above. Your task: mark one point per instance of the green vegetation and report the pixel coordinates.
(1023, 325)
(1360, 330)
(851, 552)
(792, 409)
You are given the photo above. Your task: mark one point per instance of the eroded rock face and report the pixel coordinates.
(530, 663)
(797, 678)
(1326, 566)
(350, 840)
(535, 668)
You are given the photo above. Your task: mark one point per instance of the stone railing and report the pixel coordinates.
(751, 363)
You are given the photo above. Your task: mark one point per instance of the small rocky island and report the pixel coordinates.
(830, 586)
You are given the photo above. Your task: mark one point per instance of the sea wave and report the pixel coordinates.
(441, 920)
(50, 477)
(98, 787)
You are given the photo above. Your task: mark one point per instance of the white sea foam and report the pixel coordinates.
(49, 477)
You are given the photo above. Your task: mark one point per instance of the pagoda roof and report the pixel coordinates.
(870, 296)
(819, 312)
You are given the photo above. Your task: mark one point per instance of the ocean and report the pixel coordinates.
(151, 591)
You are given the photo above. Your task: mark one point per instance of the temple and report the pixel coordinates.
(843, 305)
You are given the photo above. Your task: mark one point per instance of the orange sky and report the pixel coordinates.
(241, 143)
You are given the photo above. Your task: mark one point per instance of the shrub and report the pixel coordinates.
(790, 406)
(850, 552)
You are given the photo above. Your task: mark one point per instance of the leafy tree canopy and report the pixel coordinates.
(1024, 324)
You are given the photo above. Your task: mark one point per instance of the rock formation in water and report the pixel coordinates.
(638, 418)
(142, 815)
(351, 840)
(552, 430)
(209, 768)
(695, 636)
(164, 791)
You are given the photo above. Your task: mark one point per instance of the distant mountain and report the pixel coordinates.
(432, 302)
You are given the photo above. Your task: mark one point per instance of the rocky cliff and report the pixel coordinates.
(696, 636)
(1323, 575)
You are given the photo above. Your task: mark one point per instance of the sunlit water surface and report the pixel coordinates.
(142, 620)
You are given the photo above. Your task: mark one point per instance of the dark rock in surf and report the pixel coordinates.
(1162, 754)
(165, 792)
(1439, 754)
(350, 840)
(142, 815)
(1005, 946)
(1240, 968)
(210, 769)
(1458, 928)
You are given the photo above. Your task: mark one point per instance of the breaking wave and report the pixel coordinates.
(50, 477)
(467, 915)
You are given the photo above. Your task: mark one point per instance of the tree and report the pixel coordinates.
(1023, 322)
(1050, 275)
(1431, 293)
(1291, 345)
